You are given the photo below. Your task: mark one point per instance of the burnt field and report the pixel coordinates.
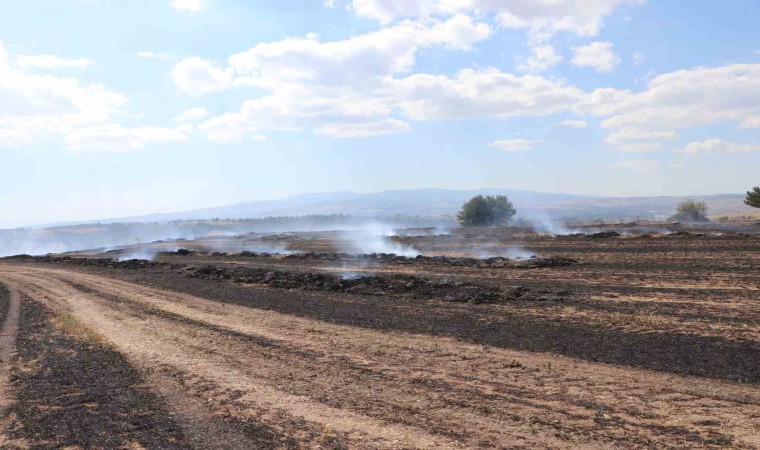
(618, 336)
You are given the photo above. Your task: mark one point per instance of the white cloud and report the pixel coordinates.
(639, 58)
(260, 138)
(36, 107)
(639, 147)
(489, 93)
(199, 76)
(544, 57)
(192, 115)
(485, 93)
(638, 165)
(713, 146)
(458, 32)
(543, 18)
(306, 97)
(338, 88)
(513, 145)
(161, 56)
(682, 99)
(188, 5)
(228, 128)
(626, 136)
(751, 122)
(368, 129)
(298, 108)
(574, 123)
(603, 102)
(357, 60)
(116, 138)
(597, 55)
(390, 10)
(51, 62)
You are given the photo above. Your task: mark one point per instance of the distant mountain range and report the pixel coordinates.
(399, 209)
(444, 202)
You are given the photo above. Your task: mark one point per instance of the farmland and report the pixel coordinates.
(619, 336)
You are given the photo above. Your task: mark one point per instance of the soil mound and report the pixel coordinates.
(392, 285)
(544, 262)
(390, 258)
(604, 234)
(89, 262)
(686, 234)
(397, 285)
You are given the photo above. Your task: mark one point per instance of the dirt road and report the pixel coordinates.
(233, 376)
(10, 313)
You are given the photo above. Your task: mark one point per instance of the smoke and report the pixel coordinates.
(33, 247)
(377, 238)
(271, 249)
(542, 223)
(416, 232)
(353, 274)
(84, 238)
(230, 246)
(144, 251)
(519, 253)
(149, 256)
(507, 252)
(663, 231)
(70, 238)
(245, 244)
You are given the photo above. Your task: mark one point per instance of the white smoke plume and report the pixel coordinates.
(376, 238)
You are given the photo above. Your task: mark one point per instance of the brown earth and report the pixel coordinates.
(642, 341)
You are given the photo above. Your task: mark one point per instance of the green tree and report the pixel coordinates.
(753, 198)
(486, 211)
(691, 211)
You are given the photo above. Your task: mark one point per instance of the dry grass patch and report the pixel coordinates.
(74, 327)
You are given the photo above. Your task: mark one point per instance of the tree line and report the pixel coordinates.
(497, 210)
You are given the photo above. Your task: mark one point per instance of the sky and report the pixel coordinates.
(113, 109)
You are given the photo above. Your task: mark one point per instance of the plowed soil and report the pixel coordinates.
(632, 341)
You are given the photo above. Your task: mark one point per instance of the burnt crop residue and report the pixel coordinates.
(390, 285)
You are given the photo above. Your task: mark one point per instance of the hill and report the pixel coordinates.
(444, 202)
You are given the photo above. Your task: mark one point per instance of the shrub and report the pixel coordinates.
(486, 211)
(753, 198)
(691, 211)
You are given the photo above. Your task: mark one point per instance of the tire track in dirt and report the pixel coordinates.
(231, 355)
(657, 345)
(202, 427)
(201, 431)
(337, 374)
(165, 351)
(600, 394)
(73, 392)
(8, 334)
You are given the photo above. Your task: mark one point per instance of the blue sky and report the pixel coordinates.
(112, 109)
